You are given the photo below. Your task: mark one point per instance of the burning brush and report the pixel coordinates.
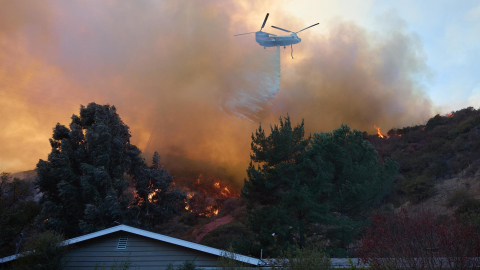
(205, 194)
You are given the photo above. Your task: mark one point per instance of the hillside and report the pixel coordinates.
(439, 171)
(439, 162)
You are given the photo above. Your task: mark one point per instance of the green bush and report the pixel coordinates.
(458, 197)
(418, 188)
(187, 265)
(308, 258)
(468, 206)
(43, 252)
(437, 120)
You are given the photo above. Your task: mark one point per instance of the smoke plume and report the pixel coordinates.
(255, 86)
(178, 76)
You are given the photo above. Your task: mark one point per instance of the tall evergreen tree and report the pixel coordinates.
(355, 178)
(281, 203)
(83, 181)
(303, 186)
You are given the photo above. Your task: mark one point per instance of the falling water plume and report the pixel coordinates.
(260, 82)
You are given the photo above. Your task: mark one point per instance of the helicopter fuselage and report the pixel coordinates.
(269, 40)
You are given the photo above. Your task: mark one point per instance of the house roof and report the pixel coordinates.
(152, 235)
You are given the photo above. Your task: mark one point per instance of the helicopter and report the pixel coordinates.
(270, 40)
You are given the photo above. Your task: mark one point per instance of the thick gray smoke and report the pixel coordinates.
(259, 81)
(174, 66)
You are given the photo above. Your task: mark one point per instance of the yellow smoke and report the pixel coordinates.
(168, 66)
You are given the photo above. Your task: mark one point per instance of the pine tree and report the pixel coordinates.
(355, 178)
(301, 186)
(281, 203)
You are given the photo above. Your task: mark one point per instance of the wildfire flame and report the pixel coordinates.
(205, 194)
(211, 211)
(150, 195)
(380, 134)
(225, 192)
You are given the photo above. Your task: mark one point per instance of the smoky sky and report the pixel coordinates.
(173, 70)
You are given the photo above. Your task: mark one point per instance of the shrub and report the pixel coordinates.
(419, 242)
(308, 258)
(44, 252)
(418, 188)
(458, 197)
(187, 265)
(469, 205)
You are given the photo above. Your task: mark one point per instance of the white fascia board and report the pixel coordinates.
(9, 258)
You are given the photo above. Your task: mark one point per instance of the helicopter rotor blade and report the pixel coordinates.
(282, 29)
(264, 22)
(307, 28)
(244, 34)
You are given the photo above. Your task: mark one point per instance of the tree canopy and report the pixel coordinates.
(18, 211)
(84, 180)
(311, 186)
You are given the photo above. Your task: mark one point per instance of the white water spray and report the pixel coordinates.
(257, 84)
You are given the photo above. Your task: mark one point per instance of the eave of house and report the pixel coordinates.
(152, 235)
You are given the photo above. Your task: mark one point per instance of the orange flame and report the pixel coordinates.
(210, 212)
(150, 195)
(380, 134)
(225, 192)
(187, 206)
(216, 184)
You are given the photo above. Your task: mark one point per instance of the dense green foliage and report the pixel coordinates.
(187, 265)
(308, 258)
(48, 253)
(84, 180)
(303, 187)
(18, 210)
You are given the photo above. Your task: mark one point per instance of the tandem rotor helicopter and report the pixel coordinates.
(270, 40)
